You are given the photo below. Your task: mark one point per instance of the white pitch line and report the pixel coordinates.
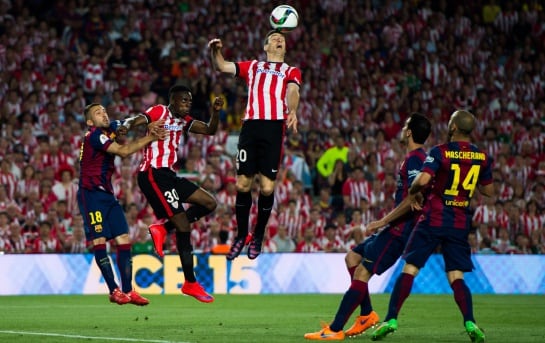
(87, 337)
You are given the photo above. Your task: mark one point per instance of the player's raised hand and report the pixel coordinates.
(157, 129)
(215, 44)
(218, 104)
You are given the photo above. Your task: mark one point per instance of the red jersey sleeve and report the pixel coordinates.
(156, 112)
(242, 69)
(188, 122)
(294, 75)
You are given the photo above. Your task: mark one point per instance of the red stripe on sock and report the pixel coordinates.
(124, 246)
(99, 247)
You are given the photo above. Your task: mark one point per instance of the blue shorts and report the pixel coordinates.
(424, 241)
(102, 215)
(380, 251)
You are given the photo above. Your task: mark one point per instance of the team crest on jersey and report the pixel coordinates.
(103, 139)
(98, 228)
(175, 204)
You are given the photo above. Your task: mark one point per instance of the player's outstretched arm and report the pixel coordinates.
(403, 208)
(218, 61)
(133, 121)
(211, 127)
(157, 131)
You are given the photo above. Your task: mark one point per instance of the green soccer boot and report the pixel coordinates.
(383, 329)
(475, 334)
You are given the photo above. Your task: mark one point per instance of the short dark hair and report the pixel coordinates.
(177, 89)
(420, 127)
(270, 33)
(87, 109)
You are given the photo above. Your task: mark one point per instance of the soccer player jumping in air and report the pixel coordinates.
(165, 191)
(380, 251)
(273, 98)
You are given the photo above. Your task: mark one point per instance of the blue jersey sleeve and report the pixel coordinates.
(485, 178)
(114, 124)
(100, 140)
(433, 161)
(414, 165)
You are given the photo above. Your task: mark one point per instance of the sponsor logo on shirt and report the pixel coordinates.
(457, 203)
(272, 72)
(173, 127)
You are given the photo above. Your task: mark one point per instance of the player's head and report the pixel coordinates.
(461, 124)
(179, 100)
(96, 115)
(274, 42)
(417, 126)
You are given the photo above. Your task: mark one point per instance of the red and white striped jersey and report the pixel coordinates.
(334, 245)
(10, 182)
(226, 199)
(531, 223)
(293, 222)
(434, 72)
(267, 88)
(484, 214)
(502, 219)
(308, 247)
(163, 153)
(506, 20)
(505, 192)
(354, 190)
(93, 75)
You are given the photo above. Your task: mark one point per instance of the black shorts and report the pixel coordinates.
(260, 147)
(165, 191)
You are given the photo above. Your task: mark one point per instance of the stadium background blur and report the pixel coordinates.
(366, 65)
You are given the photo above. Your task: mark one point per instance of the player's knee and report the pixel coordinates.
(244, 183)
(267, 188)
(211, 204)
(410, 269)
(361, 273)
(352, 259)
(454, 275)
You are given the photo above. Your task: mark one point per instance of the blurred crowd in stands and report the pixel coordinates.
(366, 65)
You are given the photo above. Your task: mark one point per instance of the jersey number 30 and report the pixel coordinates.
(469, 183)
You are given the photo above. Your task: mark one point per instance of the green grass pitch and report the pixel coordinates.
(256, 318)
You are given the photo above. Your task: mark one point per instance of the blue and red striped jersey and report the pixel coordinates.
(96, 164)
(410, 167)
(458, 168)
